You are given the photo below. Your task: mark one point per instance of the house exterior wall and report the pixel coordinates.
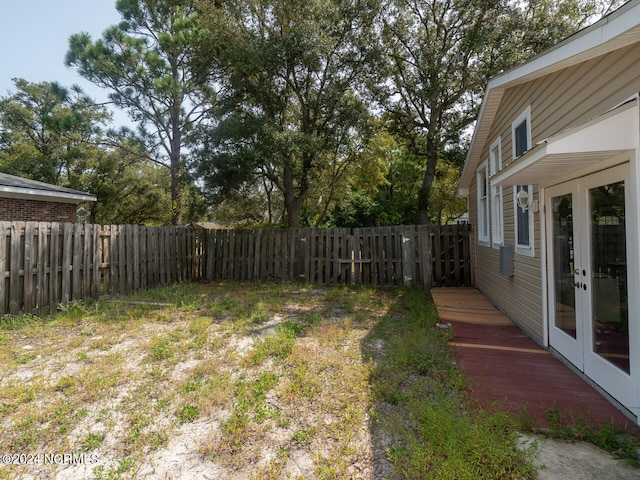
(22, 210)
(557, 101)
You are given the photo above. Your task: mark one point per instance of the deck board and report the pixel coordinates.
(508, 370)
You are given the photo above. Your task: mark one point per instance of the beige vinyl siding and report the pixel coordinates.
(569, 97)
(519, 296)
(558, 101)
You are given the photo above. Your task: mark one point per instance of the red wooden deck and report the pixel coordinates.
(508, 370)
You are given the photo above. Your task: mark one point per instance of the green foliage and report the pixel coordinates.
(291, 118)
(446, 444)
(607, 437)
(436, 59)
(59, 136)
(278, 345)
(160, 347)
(188, 413)
(303, 436)
(92, 441)
(395, 200)
(145, 62)
(49, 132)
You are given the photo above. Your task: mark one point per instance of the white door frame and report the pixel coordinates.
(570, 348)
(625, 388)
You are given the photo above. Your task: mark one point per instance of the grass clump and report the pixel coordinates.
(160, 347)
(607, 437)
(250, 402)
(435, 436)
(188, 413)
(277, 346)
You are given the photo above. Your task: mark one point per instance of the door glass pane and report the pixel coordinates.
(609, 303)
(564, 286)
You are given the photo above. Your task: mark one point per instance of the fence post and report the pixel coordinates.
(29, 250)
(41, 281)
(3, 265)
(425, 255)
(407, 261)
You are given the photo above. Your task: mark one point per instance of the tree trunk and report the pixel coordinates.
(176, 165)
(176, 196)
(293, 200)
(427, 180)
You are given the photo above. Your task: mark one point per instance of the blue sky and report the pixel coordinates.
(34, 36)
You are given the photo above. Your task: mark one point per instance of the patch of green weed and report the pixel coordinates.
(277, 345)
(188, 413)
(92, 441)
(160, 347)
(304, 436)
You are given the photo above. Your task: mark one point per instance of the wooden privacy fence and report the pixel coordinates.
(382, 256)
(48, 264)
(45, 265)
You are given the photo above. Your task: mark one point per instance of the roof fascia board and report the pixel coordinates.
(581, 46)
(47, 195)
(580, 43)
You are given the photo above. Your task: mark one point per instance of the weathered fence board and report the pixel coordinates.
(45, 265)
(380, 256)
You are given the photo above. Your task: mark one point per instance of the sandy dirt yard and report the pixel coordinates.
(197, 382)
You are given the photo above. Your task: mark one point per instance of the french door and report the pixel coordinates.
(587, 278)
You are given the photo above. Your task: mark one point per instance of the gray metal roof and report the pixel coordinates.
(12, 186)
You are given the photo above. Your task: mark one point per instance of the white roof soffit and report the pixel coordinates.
(617, 30)
(603, 137)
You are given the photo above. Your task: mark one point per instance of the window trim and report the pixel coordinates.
(523, 249)
(497, 199)
(525, 115)
(483, 170)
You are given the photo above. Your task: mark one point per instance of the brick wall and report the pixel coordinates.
(15, 209)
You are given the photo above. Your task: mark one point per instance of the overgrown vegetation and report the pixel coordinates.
(250, 381)
(580, 429)
(419, 400)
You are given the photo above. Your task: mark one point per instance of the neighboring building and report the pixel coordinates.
(552, 178)
(27, 200)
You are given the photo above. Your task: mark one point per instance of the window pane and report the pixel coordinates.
(495, 161)
(484, 234)
(521, 138)
(609, 275)
(523, 222)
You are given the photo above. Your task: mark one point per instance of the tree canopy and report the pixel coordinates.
(57, 135)
(437, 56)
(145, 61)
(296, 112)
(291, 116)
